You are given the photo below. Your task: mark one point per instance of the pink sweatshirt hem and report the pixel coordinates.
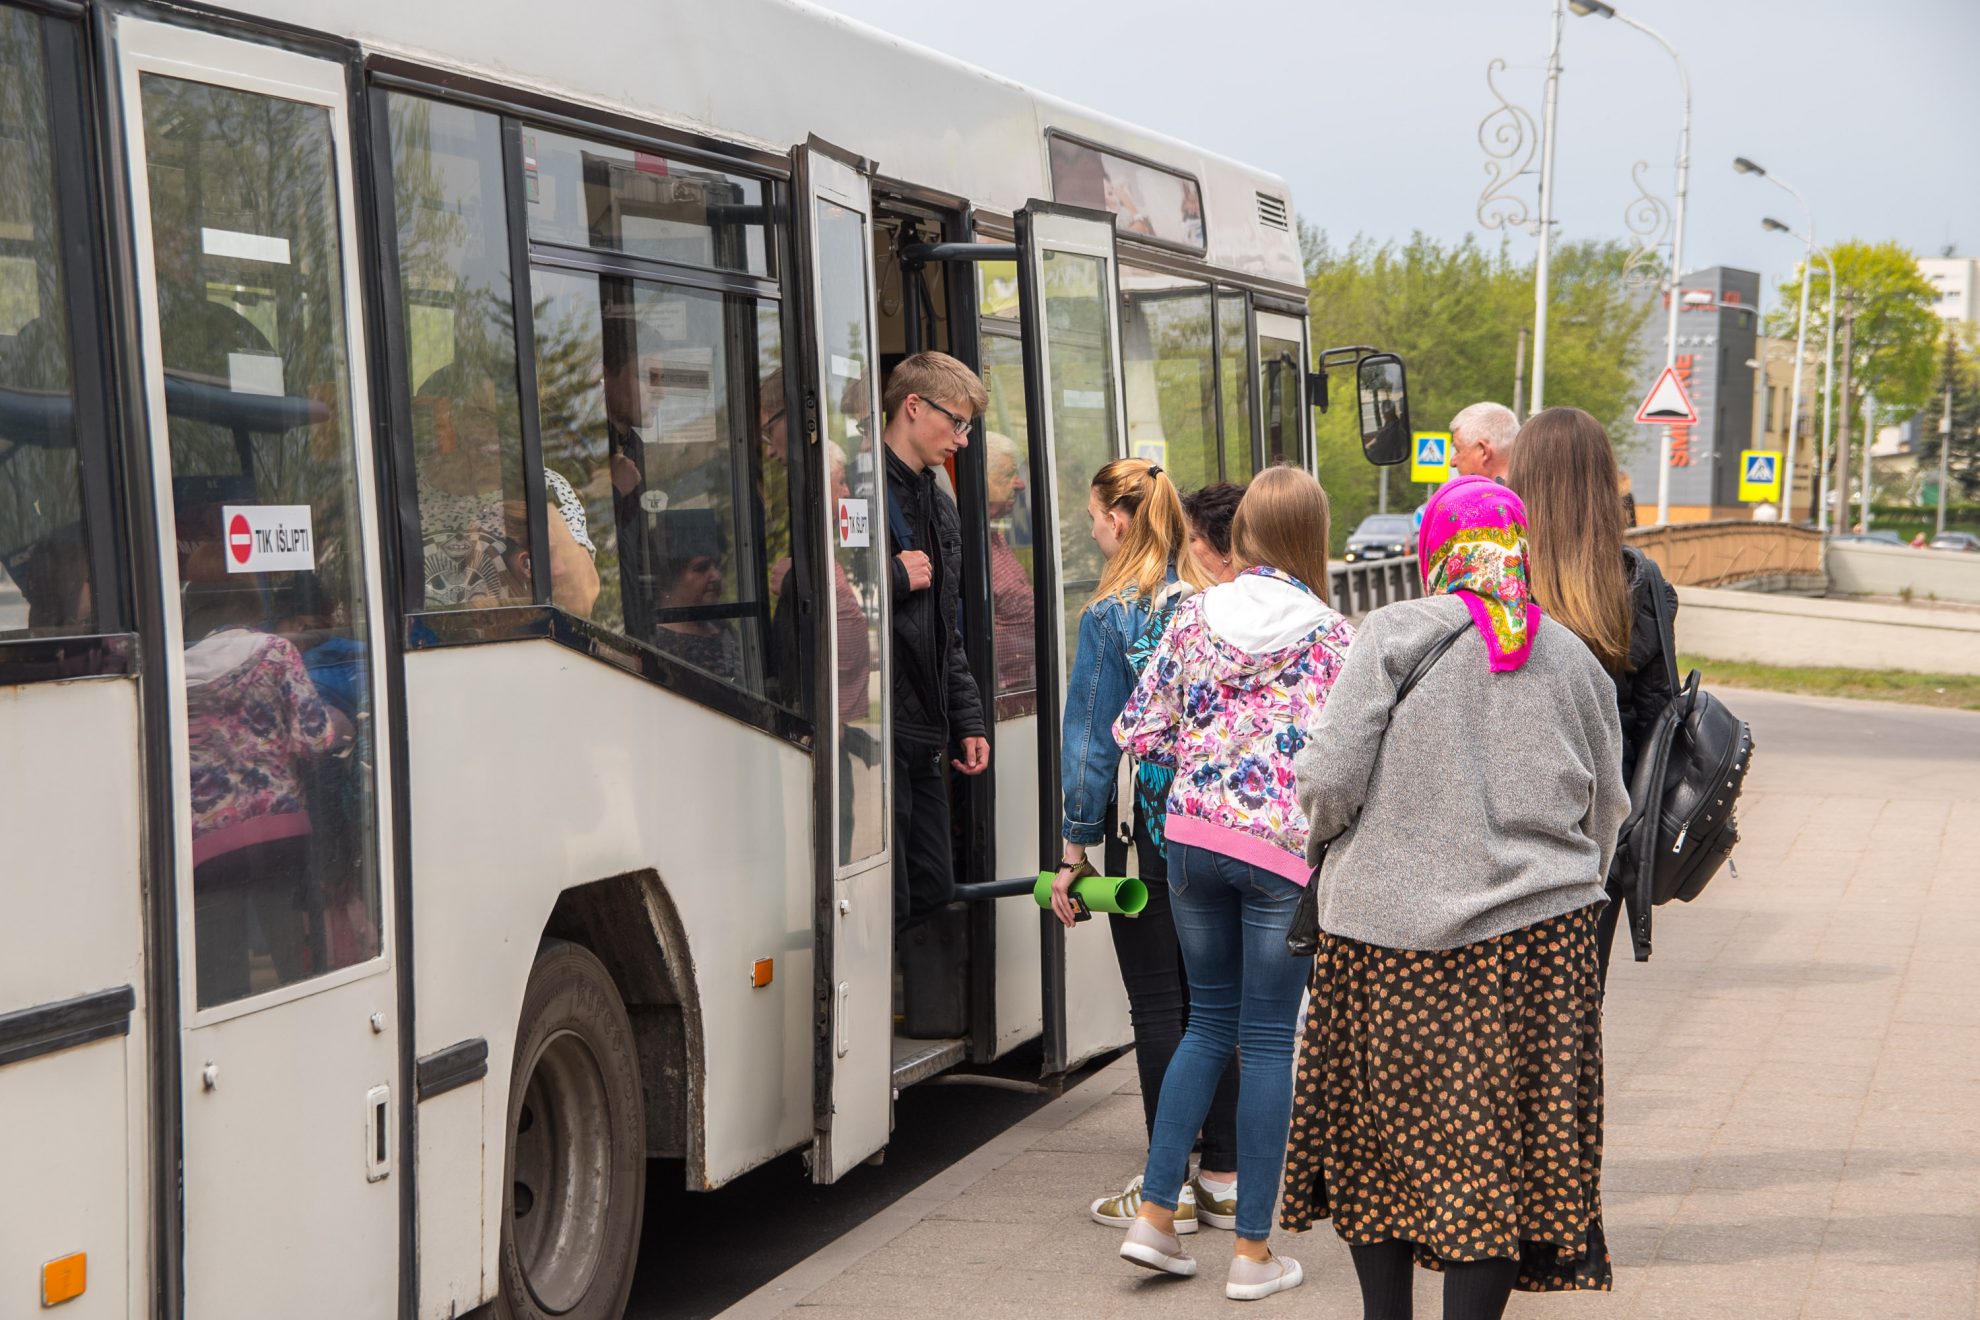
(1247, 848)
(253, 830)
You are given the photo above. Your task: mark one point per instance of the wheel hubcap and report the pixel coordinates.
(563, 1173)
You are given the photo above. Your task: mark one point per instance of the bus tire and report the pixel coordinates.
(575, 1187)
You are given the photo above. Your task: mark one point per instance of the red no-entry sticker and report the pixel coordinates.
(240, 539)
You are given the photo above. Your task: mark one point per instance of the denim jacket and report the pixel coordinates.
(1102, 678)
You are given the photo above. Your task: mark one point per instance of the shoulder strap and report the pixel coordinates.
(1430, 659)
(897, 523)
(1666, 638)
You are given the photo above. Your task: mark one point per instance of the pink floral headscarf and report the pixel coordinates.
(1473, 545)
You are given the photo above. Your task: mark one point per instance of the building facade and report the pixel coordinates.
(1958, 281)
(1716, 344)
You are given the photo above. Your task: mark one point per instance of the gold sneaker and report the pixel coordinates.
(1120, 1211)
(1216, 1211)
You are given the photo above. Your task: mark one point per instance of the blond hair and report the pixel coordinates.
(936, 377)
(1282, 523)
(1564, 471)
(1156, 534)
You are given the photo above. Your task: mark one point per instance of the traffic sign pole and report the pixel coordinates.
(1666, 405)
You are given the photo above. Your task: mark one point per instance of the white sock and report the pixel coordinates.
(1220, 1190)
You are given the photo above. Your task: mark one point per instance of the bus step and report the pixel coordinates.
(918, 1060)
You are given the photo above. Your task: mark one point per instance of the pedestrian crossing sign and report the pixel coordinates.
(1760, 476)
(1430, 457)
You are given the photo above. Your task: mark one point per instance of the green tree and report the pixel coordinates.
(1895, 353)
(1454, 312)
(1963, 457)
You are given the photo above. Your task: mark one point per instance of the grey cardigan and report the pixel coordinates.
(1489, 802)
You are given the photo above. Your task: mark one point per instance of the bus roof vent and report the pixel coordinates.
(1272, 211)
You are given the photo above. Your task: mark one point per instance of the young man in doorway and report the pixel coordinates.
(930, 400)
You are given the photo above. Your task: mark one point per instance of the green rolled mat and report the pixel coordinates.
(1102, 893)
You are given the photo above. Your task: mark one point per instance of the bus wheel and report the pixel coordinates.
(576, 1160)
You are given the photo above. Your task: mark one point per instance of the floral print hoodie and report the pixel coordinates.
(1227, 700)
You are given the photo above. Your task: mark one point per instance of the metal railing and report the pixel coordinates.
(1359, 588)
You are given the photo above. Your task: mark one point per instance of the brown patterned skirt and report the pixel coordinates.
(1453, 1100)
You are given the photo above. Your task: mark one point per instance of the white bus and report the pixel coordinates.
(443, 672)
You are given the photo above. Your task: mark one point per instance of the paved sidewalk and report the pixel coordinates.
(1793, 1089)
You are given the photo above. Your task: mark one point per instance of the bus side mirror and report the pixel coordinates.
(1316, 390)
(1383, 391)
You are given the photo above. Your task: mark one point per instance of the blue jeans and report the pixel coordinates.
(1231, 919)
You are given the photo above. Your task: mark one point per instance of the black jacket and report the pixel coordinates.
(1643, 684)
(936, 701)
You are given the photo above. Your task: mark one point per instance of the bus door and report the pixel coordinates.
(239, 168)
(854, 1069)
(1069, 293)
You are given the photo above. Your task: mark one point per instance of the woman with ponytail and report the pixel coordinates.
(1139, 527)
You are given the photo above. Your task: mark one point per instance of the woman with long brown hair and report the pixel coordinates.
(1139, 529)
(1230, 696)
(1589, 581)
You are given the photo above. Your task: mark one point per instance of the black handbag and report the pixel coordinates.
(1303, 936)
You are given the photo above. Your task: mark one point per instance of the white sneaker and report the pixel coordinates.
(1152, 1249)
(1252, 1279)
(1120, 1211)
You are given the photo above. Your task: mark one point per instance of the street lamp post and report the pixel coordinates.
(1829, 405)
(1540, 270)
(1840, 462)
(1745, 166)
(1585, 8)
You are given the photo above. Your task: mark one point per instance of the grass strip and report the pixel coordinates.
(1946, 691)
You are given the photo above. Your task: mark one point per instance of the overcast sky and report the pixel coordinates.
(1370, 110)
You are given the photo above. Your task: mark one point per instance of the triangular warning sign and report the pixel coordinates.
(1667, 402)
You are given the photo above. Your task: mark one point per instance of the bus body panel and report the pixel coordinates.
(599, 774)
(452, 1160)
(75, 1142)
(771, 73)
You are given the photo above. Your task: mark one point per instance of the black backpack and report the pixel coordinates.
(1681, 827)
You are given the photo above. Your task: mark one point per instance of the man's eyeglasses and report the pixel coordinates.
(960, 425)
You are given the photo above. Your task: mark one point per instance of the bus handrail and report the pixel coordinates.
(990, 889)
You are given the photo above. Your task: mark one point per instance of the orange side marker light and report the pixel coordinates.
(64, 1279)
(760, 974)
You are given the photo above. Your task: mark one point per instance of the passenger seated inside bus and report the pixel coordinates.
(254, 723)
(52, 577)
(1013, 620)
(691, 556)
(473, 557)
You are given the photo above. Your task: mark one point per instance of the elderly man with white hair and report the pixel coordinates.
(1482, 440)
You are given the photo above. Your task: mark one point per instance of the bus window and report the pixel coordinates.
(1082, 400)
(1007, 478)
(1169, 368)
(251, 298)
(588, 194)
(1234, 373)
(1282, 390)
(44, 564)
(461, 361)
(666, 405)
